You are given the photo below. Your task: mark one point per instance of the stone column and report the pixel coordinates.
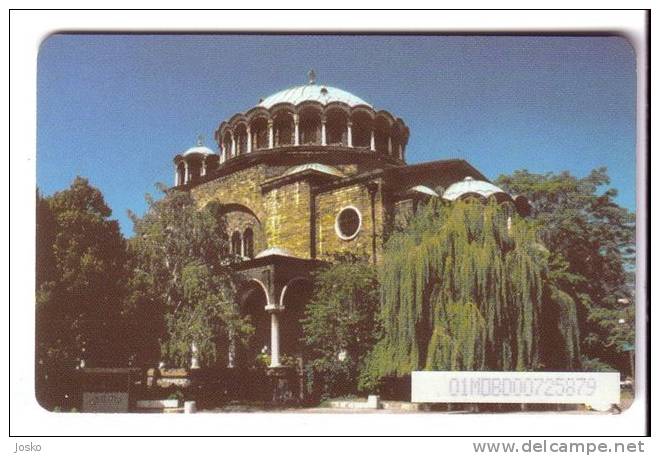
(389, 145)
(233, 144)
(349, 134)
(323, 140)
(194, 358)
(274, 339)
(231, 356)
(249, 139)
(296, 132)
(186, 176)
(203, 172)
(176, 176)
(373, 141)
(271, 138)
(223, 153)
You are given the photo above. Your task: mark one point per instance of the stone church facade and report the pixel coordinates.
(309, 172)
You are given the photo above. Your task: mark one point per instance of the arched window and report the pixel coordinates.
(397, 138)
(236, 243)
(226, 144)
(193, 169)
(361, 130)
(259, 129)
(382, 135)
(283, 126)
(180, 174)
(241, 139)
(248, 243)
(336, 128)
(310, 127)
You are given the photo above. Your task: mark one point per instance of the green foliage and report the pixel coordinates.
(591, 240)
(595, 365)
(460, 291)
(182, 270)
(80, 278)
(176, 394)
(617, 324)
(339, 326)
(80, 285)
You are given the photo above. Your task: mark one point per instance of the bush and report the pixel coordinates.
(331, 379)
(340, 327)
(595, 365)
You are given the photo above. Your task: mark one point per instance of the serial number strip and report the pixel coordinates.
(592, 388)
(516, 387)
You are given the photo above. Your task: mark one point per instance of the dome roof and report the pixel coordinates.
(424, 189)
(203, 150)
(469, 185)
(318, 167)
(274, 251)
(199, 148)
(312, 92)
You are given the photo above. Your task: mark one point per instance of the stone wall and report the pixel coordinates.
(238, 221)
(328, 206)
(288, 222)
(241, 188)
(283, 213)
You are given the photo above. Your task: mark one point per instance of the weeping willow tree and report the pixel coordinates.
(463, 289)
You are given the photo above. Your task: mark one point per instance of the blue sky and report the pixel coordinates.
(117, 108)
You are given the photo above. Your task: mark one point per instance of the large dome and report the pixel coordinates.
(305, 120)
(312, 92)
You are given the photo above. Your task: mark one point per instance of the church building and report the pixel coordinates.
(309, 172)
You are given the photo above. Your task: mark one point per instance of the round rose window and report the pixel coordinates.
(348, 223)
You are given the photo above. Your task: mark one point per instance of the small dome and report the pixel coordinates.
(199, 148)
(312, 92)
(202, 150)
(471, 186)
(274, 251)
(423, 189)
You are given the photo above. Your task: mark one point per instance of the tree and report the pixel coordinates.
(339, 327)
(463, 291)
(80, 280)
(592, 239)
(182, 268)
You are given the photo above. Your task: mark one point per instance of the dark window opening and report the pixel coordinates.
(248, 243)
(236, 243)
(348, 223)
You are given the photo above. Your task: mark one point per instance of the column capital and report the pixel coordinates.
(271, 308)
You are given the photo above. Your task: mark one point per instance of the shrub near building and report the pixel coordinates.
(340, 326)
